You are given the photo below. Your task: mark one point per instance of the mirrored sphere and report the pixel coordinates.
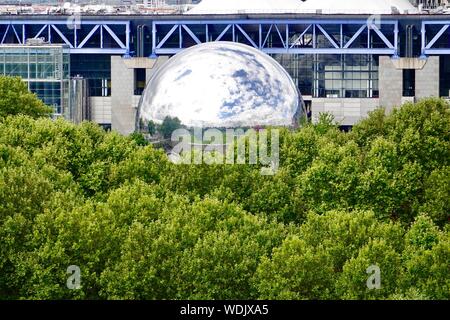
(221, 85)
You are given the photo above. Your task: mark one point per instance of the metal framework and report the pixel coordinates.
(299, 36)
(429, 43)
(81, 36)
(281, 36)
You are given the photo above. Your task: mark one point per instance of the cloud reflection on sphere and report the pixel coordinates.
(221, 85)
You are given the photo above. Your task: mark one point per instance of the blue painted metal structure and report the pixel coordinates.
(318, 36)
(273, 36)
(81, 36)
(429, 43)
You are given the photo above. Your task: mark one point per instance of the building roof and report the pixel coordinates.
(307, 6)
(359, 6)
(246, 6)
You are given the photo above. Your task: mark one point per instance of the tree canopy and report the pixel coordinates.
(141, 227)
(16, 99)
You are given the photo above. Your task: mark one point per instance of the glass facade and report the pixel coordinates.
(45, 68)
(333, 76)
(95, 68)
(301, 69)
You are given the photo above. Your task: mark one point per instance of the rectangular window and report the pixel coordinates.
(346, 76)
(139, 81)
(444, 76)
(95, 68)
(409, 83)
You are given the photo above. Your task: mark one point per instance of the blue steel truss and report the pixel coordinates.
(81, 36)
(281, 36)
(435, 37)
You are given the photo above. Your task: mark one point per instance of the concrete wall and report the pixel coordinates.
(101, 109)
(122, 89)
(123, 101)
(350, 111)
(390, 83)
(427, 79)
(346, 111)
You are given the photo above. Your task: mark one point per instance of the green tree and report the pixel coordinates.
(353, 282)
(437, 194)
(295, 271)
(168, 126)
(138, 138)
(16, 99)
(141, 227)
(152, 127)
(426, 258)
(208, 249)
(309, 264)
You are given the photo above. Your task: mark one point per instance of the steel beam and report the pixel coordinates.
(47, 28)
(428, 43)
(290, 42)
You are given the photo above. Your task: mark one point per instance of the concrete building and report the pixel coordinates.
(346, 57)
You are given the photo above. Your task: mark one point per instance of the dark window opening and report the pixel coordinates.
(444, 76)
(139, 81)
(409, 83)
(95, 68)
(105, 126)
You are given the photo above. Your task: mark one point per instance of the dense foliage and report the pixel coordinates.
(141, 227)
(16, 99)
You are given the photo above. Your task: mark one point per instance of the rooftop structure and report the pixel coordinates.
(92, 7)
(431, 4)
(358, 7)
(304, 6)
(208, 7)
(246, 6)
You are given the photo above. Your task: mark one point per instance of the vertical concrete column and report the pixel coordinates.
(123, 113)
(427, 79)
(390, 84)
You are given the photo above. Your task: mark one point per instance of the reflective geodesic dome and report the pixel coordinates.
(221, 85)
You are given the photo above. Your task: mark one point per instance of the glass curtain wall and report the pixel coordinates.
(95, 68)
(333, 76)
(46, 69)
